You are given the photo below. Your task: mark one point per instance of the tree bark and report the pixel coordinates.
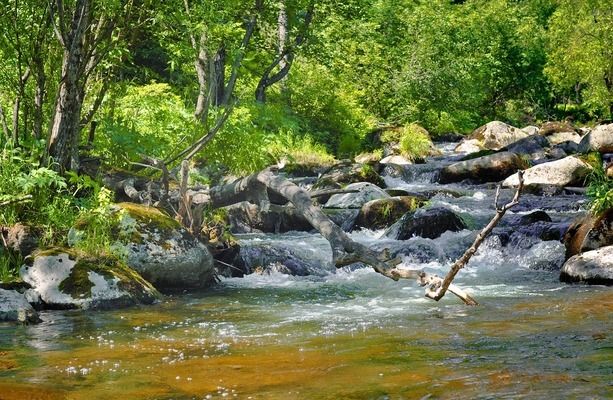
(66, 119)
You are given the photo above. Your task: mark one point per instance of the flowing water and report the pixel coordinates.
(347, 334)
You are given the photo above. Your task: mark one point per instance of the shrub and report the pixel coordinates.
(413, 140)
(600, 191)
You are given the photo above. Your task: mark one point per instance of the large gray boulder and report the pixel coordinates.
(599, 139)
(534, 147)
(15, 308)
(430, 223)
(490, 168)
(495, 135)
(569, 171)
(365, 193)
(161, 250)
(62, 278)
(593, 267)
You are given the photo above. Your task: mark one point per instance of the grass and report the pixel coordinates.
(600, 190)
(413, 140)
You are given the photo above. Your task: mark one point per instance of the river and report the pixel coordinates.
(346, 334)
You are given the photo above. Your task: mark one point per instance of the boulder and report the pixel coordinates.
(263, 257)
(430, 223)
(343, 217)
(395, 160)
(534, 147)
(530, 129)
(468, 146)
(246, 217)
(599, 139)
(161, 250)
(569, 171)
(381, 213)
(568, 147)
(491, 168)
(561, 137)
(366, 192)
(495, 135)
(368, 158)
(15, 308)
(551, 127)
(589, 233)
(63, 278)
(347, 172)
(592, 267)
(22, 239)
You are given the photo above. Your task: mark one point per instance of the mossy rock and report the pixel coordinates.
(158, 247)
(347, 173)
(66, 278)
(381, 213)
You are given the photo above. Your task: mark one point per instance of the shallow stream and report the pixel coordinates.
(347, 334)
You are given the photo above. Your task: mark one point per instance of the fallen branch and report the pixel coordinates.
(437, 287)
(345, 251)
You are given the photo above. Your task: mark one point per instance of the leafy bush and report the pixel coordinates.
(413, 140)
(600, 191)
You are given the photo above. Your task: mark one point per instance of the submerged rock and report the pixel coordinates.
(569, 171)
(366, 192)
(381, 213)
(62, 278)
(430, 223)
(490, 168)
(15, 308)
(593, 267)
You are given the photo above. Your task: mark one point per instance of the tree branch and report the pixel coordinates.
(437, 287)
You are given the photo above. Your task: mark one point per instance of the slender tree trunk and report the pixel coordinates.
(65, 126)
(218, 79)
(39, 101)
(283, 32)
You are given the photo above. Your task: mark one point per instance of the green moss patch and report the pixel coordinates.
(150, 216)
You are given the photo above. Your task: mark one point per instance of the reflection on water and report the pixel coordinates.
(350, 335)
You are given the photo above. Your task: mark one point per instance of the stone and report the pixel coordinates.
(592, 267)
(430, 223)
(381, 213)
(534, 147)
(246, 217)
(343, 217)
(162, 251)
(468, 146)
(530, 129)
(589, 233)
(63, 278)
(560, 137)
(347, 172)
(490, 168)
(569, 171)
(15, 308)
(551, 127)
(266, 258)
(599, 139)
(22, 239)
(367, 158)
(495, 135)
(395, 160)
(366, 192)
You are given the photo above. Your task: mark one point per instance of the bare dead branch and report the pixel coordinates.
(437, 287)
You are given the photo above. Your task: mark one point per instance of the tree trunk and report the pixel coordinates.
(65, 126)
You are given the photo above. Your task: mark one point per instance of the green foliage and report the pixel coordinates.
(580, 53)
(600, 191)
(413, 140)
(147, 119)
